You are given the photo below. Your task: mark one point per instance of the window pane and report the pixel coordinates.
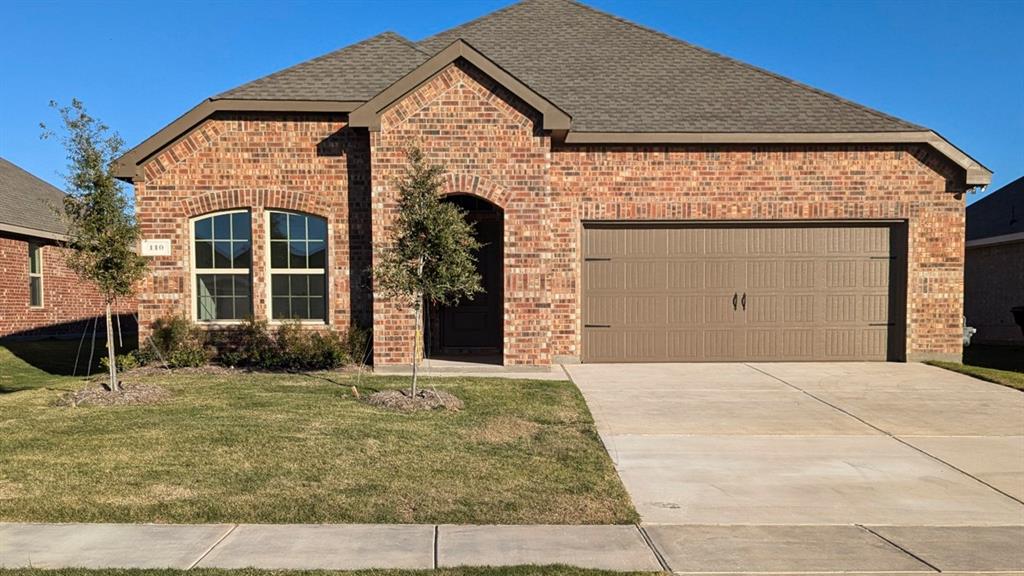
(205, 309)
(242, 254)
(243, 285)
(317, 228)
(279, 285)
(204, 296)
(317, 254)
(243, 307)
(316, 308)
(299, 283)
(35, 290)
(316, 285)
(278, 254)
(225, 308)
(278, 226)
(34, 259)
(204, 229)
(280, 309)
(222, 254)
(296, 227)
(240, 227)
(224, 285)
(204, 254)
(222, 227)
(297, 252)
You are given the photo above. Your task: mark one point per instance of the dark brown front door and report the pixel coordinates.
(474, 326)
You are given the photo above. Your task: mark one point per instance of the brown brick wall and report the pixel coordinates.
(492, 147)
(68, 303)
(993, 284)
(304, 163)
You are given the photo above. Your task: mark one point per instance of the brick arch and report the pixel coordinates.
(247, 198)
(477, 186)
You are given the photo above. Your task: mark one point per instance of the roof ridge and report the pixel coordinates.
(386, 34)
(737, 62)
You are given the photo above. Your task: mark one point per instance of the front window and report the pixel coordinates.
(298, 267)
(222, 263)
(35, 275)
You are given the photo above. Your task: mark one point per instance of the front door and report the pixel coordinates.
(474, 326)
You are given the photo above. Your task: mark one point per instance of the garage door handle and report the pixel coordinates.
(735, 295)
(597, 325)
(744, 301)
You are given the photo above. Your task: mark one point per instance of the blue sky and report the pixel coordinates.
(956, 67)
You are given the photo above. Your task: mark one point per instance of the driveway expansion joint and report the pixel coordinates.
(898, 547)
(654, 549)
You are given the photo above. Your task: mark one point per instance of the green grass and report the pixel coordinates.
(999, 364)
(269, 448)
(554, 570)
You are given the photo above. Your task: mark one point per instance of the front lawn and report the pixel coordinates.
(290, 448)
(998, 364)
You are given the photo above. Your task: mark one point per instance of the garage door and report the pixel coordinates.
(682, 293)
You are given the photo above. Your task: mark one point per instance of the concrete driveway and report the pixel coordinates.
(822, 443)
(816, 468)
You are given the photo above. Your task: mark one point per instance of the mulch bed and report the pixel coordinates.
(401, 401)
(129, 395)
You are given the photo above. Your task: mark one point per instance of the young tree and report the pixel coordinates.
(101, 230)
(431, 254)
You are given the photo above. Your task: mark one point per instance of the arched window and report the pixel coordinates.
(298, 267)
(222, 266)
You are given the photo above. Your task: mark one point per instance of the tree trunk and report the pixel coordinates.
(418, 310)
(111, 356)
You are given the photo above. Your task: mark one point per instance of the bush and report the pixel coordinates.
(125, 362)
(291, 347)
(177, 342)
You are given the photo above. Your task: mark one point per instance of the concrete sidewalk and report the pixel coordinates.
(680, 548)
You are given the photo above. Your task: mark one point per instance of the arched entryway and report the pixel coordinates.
(473, 330)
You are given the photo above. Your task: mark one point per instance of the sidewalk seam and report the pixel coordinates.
(654, 548)
(898, 547)
(214, 545)
(888, 434)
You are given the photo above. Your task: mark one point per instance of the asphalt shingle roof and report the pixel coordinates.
(608, 74)
(28, 202)
(999, 213)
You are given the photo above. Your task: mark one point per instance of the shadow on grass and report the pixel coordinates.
(29, 364)
(1010, 358)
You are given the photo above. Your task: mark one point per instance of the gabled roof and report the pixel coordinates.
(998, 215)
(28, 204)
(616, 82)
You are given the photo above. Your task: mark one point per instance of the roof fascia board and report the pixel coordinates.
(976, 173)
(368, 115)
(126, 167)
(993, 240)
(23, 231)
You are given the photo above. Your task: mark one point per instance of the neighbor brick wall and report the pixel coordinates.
(306, 163)
(69, 304)
(993, 284)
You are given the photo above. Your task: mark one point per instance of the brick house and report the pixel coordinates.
(641, 199)
(994, 268)
(39, 295)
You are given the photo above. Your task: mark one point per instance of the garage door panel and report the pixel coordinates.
(675, 293)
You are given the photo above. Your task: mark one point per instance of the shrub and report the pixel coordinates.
(177, 342)
(290, 347)
(125, 362)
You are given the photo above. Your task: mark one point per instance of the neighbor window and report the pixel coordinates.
(35, 275)
(222, 263)
(298, 267)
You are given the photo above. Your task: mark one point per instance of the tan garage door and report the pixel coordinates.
(667, 293)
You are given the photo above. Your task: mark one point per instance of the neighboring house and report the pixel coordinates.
(642, 199)
(39, 295)
(994, 270)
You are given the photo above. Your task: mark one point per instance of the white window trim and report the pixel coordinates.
(194, 290)
(270, 271)
(42, 291)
